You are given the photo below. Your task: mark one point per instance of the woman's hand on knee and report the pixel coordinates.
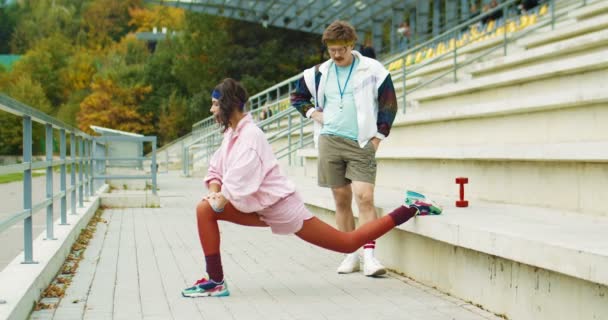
(217, 201)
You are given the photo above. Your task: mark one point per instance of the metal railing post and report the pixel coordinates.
(154, 166)
(80, 173)
(73, 142)
(455, 62)
(504, 27)
(552, 4)
(48, 146)
(403, 83)
(27, 191)
(63, 178)
(186, 162)
(87, 159)
(167, 160)
(93, 154)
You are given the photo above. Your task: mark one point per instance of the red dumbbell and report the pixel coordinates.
(462, 203)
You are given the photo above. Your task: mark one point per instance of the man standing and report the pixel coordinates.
(354, 109)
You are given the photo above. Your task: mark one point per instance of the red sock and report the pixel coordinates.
(214, 267)
(402, 214)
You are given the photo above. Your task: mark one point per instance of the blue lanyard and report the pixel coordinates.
(346, 83)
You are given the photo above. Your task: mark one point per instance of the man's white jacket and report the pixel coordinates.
(373, 92)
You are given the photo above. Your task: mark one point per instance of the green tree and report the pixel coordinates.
(44, 64)
(40, 19)
(200, 62)
(8, 23)
(29, 92)
(173, 121)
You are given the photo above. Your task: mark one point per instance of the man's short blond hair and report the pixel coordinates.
(339, 31)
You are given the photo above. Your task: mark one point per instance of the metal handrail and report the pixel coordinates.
(80, 162)
(451, 32)
(459, 65)
(87, 158)
(256, 101)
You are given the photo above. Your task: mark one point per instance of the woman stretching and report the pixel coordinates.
(247, 188)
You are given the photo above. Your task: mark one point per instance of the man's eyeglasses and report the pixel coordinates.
(340, 50)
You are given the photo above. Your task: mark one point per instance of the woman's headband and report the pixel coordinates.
(215, 94)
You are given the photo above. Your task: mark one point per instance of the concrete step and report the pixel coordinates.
(592, 10)
(514, 174)
(578, 45)
(544, 79)
(536, 118)
(495, 254)
(580, 28)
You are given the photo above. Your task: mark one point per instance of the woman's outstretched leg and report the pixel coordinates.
(209, 236)
(323, 235)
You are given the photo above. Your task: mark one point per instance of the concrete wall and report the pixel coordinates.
(504, 287)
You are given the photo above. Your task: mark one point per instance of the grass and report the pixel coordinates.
(12, 177)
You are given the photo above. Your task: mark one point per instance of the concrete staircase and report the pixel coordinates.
(528, 131)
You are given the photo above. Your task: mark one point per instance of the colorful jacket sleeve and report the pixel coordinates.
(301, 98)
(387, 106)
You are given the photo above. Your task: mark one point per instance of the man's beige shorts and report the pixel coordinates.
(342, 161)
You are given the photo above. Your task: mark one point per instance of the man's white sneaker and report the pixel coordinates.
(350, 264)
(372, 267)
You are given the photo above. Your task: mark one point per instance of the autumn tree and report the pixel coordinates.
(144, 19)
(112, 106)
(106, 21)
(44, 63)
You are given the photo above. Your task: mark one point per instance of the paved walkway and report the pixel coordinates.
(137, 264)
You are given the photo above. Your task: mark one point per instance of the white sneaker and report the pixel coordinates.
(372, 267)
(350, 264)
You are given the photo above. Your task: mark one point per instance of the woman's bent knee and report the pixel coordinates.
(204, 210)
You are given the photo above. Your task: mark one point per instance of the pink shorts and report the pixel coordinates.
(287, 215)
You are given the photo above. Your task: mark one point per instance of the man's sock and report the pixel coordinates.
(403, 214)
(368, 250)
(214, 268)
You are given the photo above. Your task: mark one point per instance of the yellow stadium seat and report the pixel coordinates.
(532, 19)
(441, 48)
(429, 53)
(418, 57)
(409, 60)
(490, 26)
(398, 64)
(452, 44)
(543, 10)
(500, 31)
(523, 22)
(511, 26)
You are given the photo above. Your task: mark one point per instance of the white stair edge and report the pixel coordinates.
(588, 151)
(586, 26)
(579, 64)
(591, 10)
(564, 242)
(564, 47)
(577, 97)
